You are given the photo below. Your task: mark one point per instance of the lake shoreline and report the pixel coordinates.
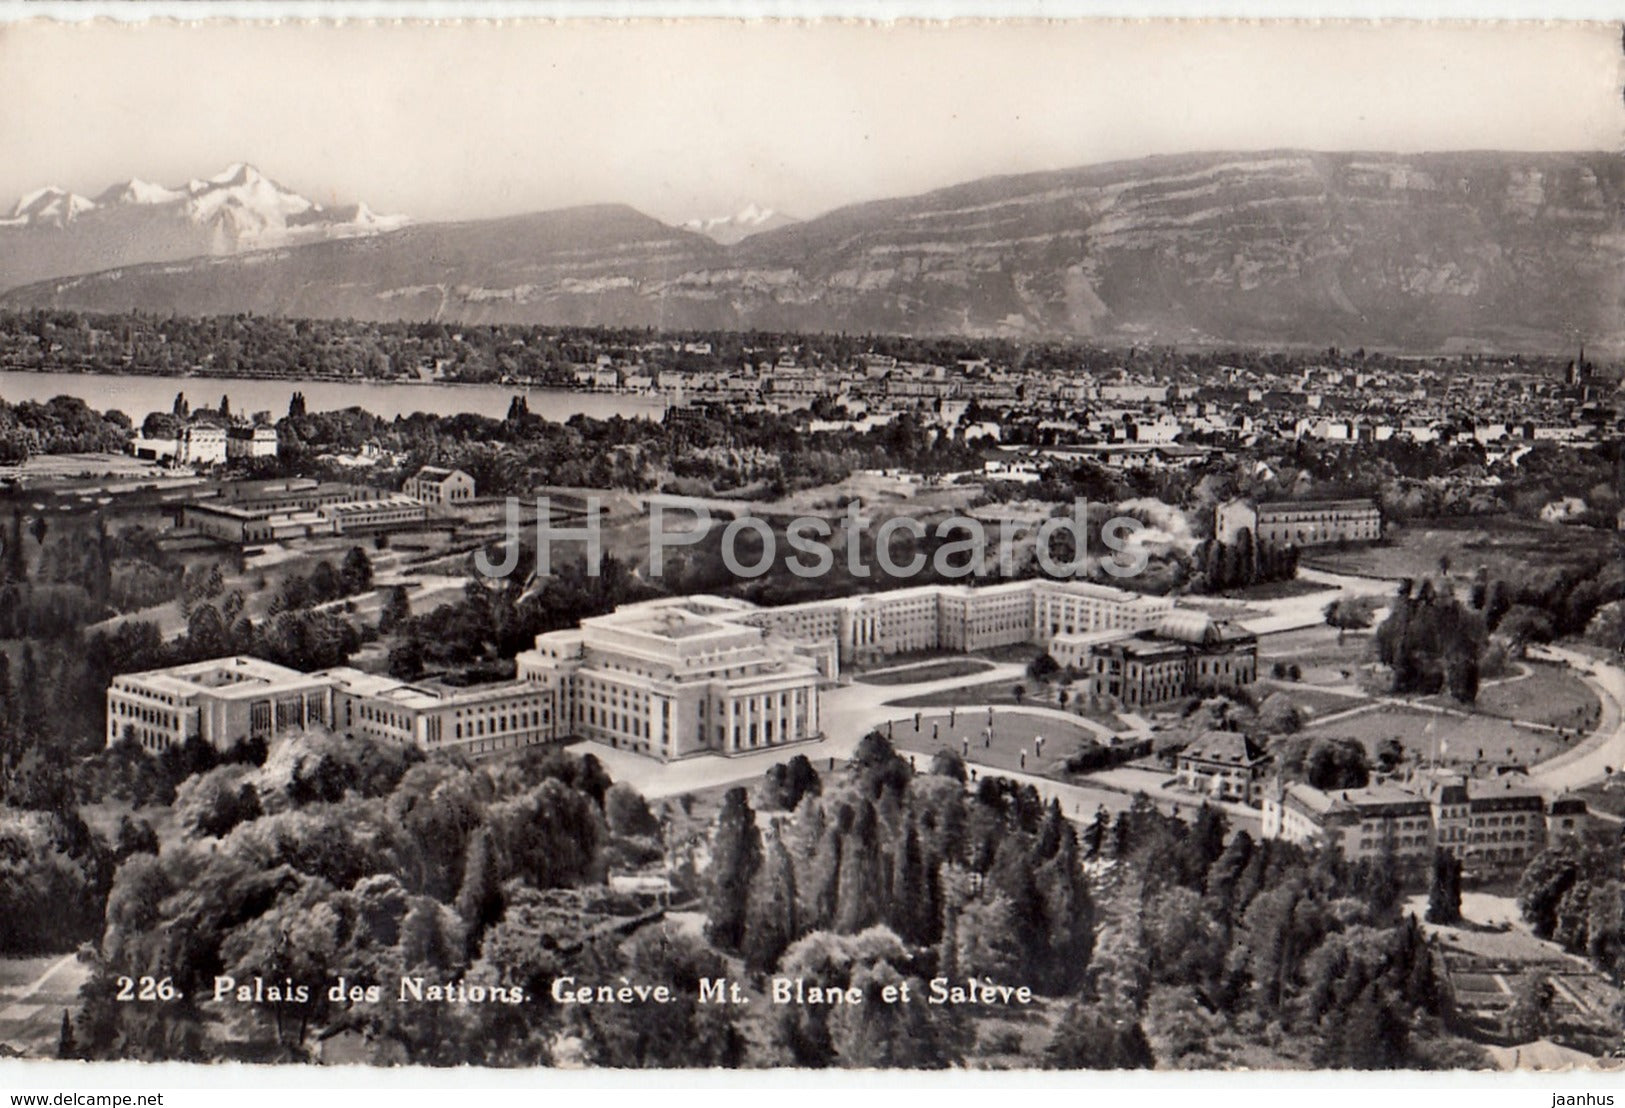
(138, 394)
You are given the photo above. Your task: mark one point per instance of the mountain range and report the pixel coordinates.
(1426, 252)
(56, 233)
(749, 220)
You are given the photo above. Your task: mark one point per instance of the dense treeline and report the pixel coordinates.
(1186, 939)
(715, 451)
(354, 858)
(1244, 562)
(269, 346)
(63, 425)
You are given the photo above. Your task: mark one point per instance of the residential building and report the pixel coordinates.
(1362, 823)
(1488, 824)
(1226, 765)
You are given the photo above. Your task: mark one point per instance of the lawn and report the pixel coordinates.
(1459, 739)
(1277, 590)
(1312, 702)
(1011, 746)
(1317, 652)
(1002, 693)
(925, 671)
(1507, 546)
(1551, 695)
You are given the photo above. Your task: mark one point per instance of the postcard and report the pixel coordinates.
(811, 545)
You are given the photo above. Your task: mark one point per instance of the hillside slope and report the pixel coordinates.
(1434, 251)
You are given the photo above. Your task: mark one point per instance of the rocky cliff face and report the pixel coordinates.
(1424, 252)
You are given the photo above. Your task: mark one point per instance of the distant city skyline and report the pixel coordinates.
(698, 119)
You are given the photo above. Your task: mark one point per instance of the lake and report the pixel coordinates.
(137, 395)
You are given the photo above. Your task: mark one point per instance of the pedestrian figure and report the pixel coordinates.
(964, 748)
(953, 713)
(1023, 759)
(916, 723)
(936, 731)
(973, 773)
(889, 724)
(832, 763)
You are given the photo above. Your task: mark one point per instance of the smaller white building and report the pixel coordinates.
(434, 485)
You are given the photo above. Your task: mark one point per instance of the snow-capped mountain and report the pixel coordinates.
(49, 206)
(749, 220)
(52, 232)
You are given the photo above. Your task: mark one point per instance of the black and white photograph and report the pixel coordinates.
(812, 545)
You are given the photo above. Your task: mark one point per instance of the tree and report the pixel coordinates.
(771, 923)
(1523, 625)
(1090, 1037)
(479, 900)
(1279, 716)
(1530, 1016)
(946, 763)
(1444, 893)
(860, 887)
(787, 783)
(396, 609)
(628, 813)
(1349, 614)
(1607, 627)
(1019, 692)
(736, 853)
(66, 1047)
(684, 1032)
(356, 572)
(1043, 667)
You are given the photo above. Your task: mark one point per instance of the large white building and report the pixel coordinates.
(666, 678)
(672, 678)
(225, 700)
(962, 618)
(250, 441)
(479, 721)
(220, 701)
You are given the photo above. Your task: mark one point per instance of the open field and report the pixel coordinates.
(1459, 738)
(1311, 701)
(1550, 694)
(1277, 590)
(1010, 747)
(34, 992)
(1322, 659)
(1507, 547)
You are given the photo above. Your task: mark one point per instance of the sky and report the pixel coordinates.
(698, 118)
